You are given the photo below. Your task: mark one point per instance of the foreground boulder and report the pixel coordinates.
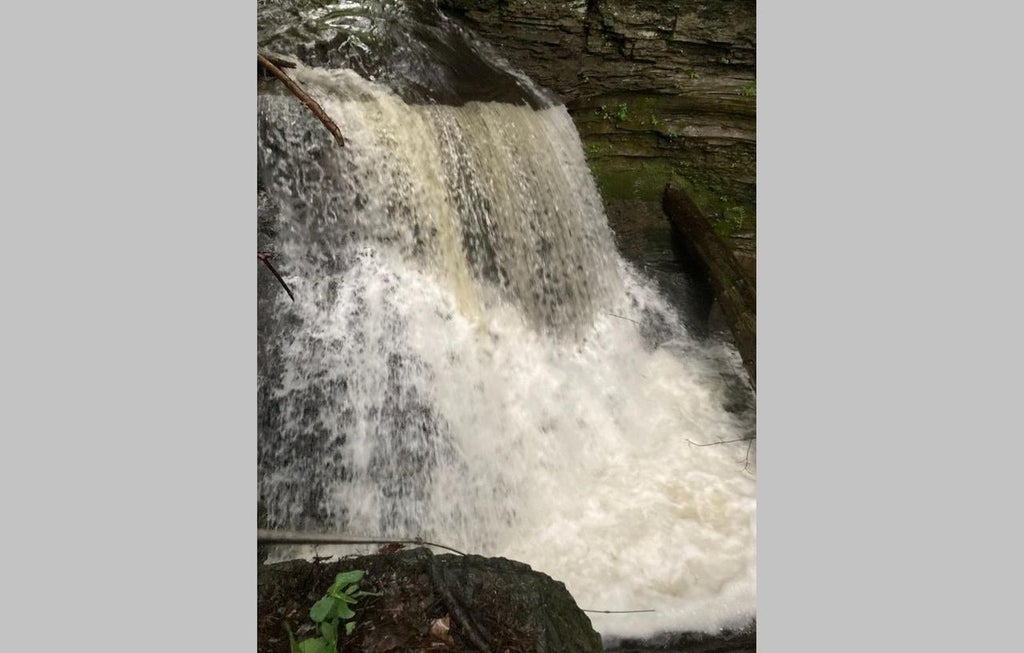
(428, 602)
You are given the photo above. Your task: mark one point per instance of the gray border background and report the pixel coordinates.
(888, 326)
(129, 326)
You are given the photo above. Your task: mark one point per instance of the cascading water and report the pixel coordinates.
(470, 360)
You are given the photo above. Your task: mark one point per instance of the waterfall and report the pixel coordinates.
(470, 360)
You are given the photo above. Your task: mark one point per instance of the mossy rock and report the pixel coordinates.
(488, 603)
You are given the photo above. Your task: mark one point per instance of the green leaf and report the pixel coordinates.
(349, 627)
(322, 608)
(314, 645)
(329, 631)
(347, 577)
(345, 612)
(360, 595)
(344, 598)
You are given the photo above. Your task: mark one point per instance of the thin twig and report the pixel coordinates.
(297, 91)
(264, 536)
(746, 459)
(617, 611)
(711, 444)
(623, 318)
(265, 257)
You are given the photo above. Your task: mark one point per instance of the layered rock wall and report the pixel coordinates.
(660, 90)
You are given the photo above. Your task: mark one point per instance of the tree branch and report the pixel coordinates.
(264, 536)
(711, 444)
(297, 91)
(265, 257)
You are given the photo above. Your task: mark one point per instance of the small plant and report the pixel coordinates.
(694, 74)
(750, 91)
(621, 115)
(331, 611)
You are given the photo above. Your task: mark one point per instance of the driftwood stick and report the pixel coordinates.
(616, 611)
(297, 91)
(265, 257)
(264, 536)
(280, 62)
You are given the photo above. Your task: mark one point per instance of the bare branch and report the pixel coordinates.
(623, 318)
(711, 444)
(297, 91)
(265, 257)
(280, 62)
(264, 536)
(746, 460)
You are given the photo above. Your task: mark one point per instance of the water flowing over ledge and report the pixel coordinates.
(471, 360)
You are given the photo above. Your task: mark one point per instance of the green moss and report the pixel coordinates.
(731, 222)
(645, 104)
(726, 215)
(595, 148)
(631, 179)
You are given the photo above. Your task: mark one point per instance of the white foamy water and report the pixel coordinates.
(470, 360)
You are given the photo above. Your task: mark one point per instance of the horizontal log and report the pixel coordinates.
(735, 290)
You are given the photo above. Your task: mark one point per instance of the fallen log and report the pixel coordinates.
(734, 290)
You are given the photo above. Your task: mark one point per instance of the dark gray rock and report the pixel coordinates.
(669, 83)
(490, 603)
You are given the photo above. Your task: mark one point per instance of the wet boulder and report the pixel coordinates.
(427, 602)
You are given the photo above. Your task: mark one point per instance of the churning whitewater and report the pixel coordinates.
(469, 360)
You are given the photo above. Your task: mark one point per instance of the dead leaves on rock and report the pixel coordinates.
(439, 630)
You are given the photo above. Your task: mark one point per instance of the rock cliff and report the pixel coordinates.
(661, 91)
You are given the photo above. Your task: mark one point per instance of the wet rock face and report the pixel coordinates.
(660, 90)
(429, 602)
(405, 44)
